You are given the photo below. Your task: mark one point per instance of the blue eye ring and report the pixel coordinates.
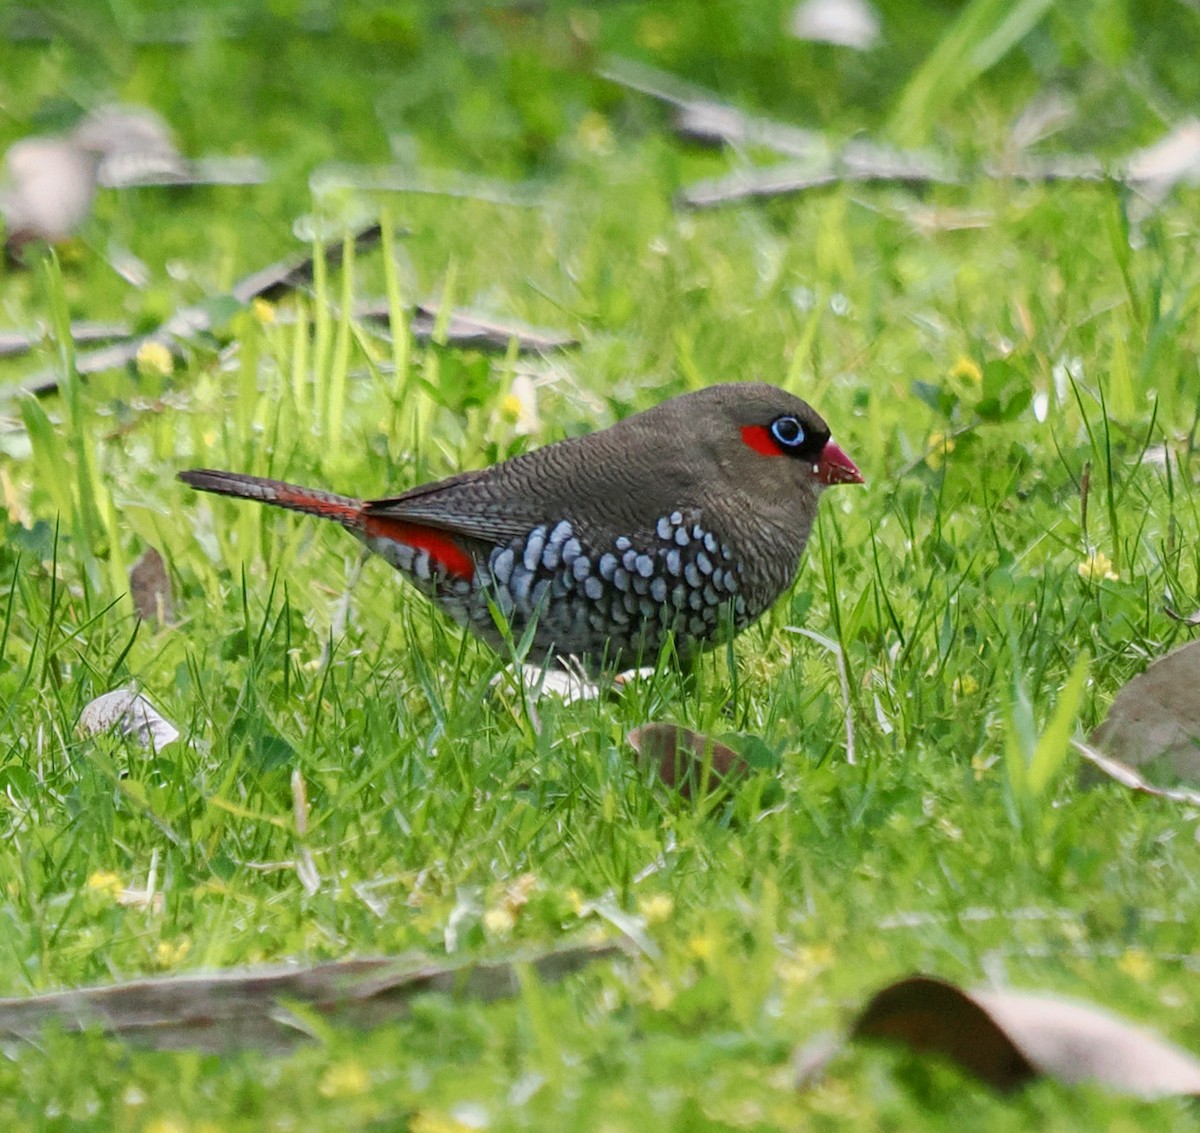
(788, 432)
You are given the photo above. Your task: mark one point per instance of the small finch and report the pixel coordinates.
(680, 524)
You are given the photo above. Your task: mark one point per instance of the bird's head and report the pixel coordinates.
(765, 440)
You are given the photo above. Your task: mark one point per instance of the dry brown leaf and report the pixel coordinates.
(684, 759)
(1155, 718)
(251, 1007)
(1008, 1038)
(150, 588)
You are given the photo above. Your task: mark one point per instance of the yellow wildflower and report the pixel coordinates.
(345, 1079)
(1136, 964)
(499, 921)
(105, 882)
(430, 1121)
(1097, 567)
(805, 963)
(939, 447)
(263, 311)
(166, 1125)
(594, 134)
(661, 994)
(154, 360)
(981, 764)
(656, 31)
(656, 908)
(519, 407)
(967, 369)
(168, 954)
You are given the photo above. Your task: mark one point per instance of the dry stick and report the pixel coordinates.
(250, 1007)
(269, 283)
(479, 332)
(701, 117)
(862, 163)
(465, 329)
(337, 177)
(184, 173)
(704, 118)
(14, 343)
(297, 271)
(789, 178)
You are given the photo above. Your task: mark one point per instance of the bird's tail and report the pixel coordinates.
(311, 501)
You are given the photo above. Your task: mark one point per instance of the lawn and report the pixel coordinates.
(992, 353)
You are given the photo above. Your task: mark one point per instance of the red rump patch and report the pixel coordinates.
(442, 548)
(758, 437)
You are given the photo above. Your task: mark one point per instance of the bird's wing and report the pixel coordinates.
(602, 483)
(477, 505)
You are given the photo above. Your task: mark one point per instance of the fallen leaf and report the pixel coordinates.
(569, 682)
(1008, 1038)
(131, 714)
(253, 1008)
(150, 588)
(686, 760)
(846, 23)
(1192, 619)
(1155, 718)
(49, 190)
(1173, 158)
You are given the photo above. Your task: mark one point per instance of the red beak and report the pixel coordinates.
(835, 467)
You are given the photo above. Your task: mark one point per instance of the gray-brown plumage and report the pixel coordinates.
(684, 522)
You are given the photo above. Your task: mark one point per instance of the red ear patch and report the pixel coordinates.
(758, 437)
(442, 548)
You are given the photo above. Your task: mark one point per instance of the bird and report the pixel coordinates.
(677, 526)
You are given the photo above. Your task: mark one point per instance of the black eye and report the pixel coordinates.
(788, 432)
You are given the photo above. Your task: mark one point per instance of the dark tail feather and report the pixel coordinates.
(311, 501)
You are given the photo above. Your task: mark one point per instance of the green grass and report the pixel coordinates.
(438, 816)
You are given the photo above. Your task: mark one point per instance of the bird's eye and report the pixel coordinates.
(788, 432)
